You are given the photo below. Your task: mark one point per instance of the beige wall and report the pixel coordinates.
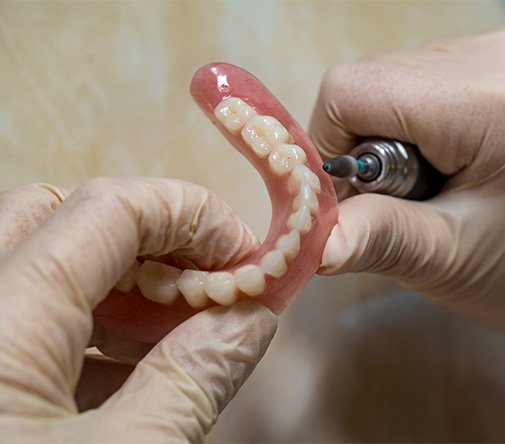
(101, 88)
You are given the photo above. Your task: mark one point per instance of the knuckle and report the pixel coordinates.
(349, 81)
(334, 80)
(100, 184)
(102, 194)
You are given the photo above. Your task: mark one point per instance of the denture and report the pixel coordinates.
(153, 298)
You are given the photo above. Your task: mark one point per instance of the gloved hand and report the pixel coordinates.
(449, 100)
(50, 283)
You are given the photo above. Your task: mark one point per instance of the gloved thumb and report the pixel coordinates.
(404, 239)
(177, 391)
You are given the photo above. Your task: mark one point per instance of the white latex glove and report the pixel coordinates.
(51, 281)
(449, 100)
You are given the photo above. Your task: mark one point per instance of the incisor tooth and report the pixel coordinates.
(157, 281)
(306, 197)
(250, 279)
(284, 157)
(127, 281)
(220, 287)
(301, 174)
(274, 264)
(233, 114)
(300, 220)
(191, 285)
(263, 133)
(289, 244)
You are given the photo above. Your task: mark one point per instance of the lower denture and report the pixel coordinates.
(300, 225)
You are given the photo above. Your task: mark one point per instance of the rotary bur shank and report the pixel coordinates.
(342, 166)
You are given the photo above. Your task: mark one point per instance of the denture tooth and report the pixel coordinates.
(220, 287)
(157, 281)
(250, 279)
(284, 157)
(274, 264)
(191, 285)
(263, 133)
(300, 220)
(301, 174)
(289, 244)
(306, 197)
(127, 281)
(233, 113)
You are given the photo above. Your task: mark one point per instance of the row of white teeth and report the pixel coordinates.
(266, 137)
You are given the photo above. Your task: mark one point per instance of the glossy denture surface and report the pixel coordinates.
(288, 257)
(216, 82)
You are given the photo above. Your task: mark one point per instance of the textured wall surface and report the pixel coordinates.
(101, 88)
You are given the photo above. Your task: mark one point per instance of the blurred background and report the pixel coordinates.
(101, 88)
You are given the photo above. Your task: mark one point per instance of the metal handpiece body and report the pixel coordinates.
(388, 167)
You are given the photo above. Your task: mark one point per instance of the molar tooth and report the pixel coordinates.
(301, 220)
(220, 287)
(263, 133)
(289, 244)
(127, 281)
(250, 279)
(157, 281)
(284, 157)
(274, 264)
(301, 174)
(233, 114)
(306, 197)
(191, 285)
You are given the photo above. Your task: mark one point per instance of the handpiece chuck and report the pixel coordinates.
(388, 167)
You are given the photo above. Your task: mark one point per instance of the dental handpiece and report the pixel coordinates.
(388, 167)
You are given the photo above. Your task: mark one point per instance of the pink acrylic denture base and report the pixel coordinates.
(136, 317)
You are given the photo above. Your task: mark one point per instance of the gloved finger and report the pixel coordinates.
(393, 236)
(190, 375)
(343, 188)
(386, 96)
(23, 209)
(100, 378)
(68, 265)
(327, 127)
